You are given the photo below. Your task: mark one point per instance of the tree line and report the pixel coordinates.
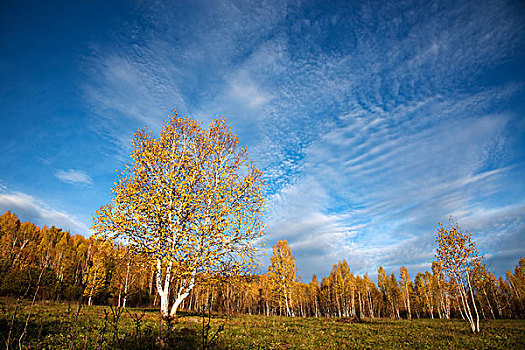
(71, 267)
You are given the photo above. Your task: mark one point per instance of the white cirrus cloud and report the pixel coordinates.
(248, 93)
(29, 208)
(74, 177)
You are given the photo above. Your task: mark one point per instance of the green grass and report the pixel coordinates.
(252, 332)
(50, 326)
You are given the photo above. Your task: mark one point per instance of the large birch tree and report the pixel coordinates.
(191, 201)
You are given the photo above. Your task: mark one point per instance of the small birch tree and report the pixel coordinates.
(281, 273)
(191, 201)
(459, 259)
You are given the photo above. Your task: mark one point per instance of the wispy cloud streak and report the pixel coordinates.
(75, 177)
(28, 208)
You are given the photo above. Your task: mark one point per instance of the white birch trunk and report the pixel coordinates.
(476, 329)
(183, 293)
(125, 287)
(164, 291)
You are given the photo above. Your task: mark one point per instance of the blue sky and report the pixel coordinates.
(372, 121)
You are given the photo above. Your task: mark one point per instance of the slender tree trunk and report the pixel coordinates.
(183, 292)
(393, 308)
(460, 309)
(408, 304)
(440, 305)
(338, 304)
(513, 287)
(119, 295)
(447, 306)
(192, 299)
(498, 306)
(288, 312)
(92, 288)
(126, 287)
(466, 306)
(151, 282)
(370, 304)
(353, 303)
(360, 305)
(164, 291)
(474, 303)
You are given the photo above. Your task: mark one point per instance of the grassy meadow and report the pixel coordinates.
(52, 326)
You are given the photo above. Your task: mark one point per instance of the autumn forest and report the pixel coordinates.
(70, 267)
